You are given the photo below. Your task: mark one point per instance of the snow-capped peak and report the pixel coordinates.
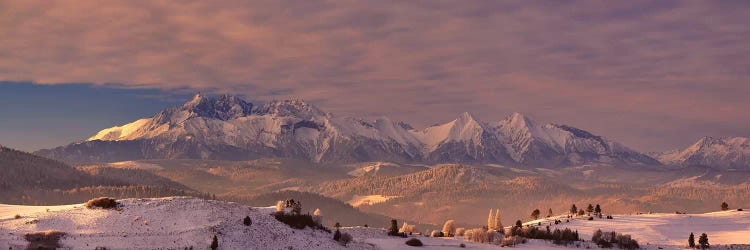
(519, 120)
(730, 152)
(463, 129)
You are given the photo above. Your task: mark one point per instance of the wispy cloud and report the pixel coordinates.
(632, 70)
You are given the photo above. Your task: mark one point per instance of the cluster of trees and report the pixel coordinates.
(609, 239)
(344, 213)
(393, 230)
(535, 215)
(483, 235)
(560, 237)
(290, 212)
(590, 210)
(702, 241)
(518, 233)
(493, 220)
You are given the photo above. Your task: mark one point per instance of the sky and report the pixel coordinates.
(654, 75)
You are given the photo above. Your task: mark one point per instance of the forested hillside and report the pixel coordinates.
(23, 171)
(35, 180)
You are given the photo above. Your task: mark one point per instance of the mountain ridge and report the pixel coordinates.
(717, 152)
(228, 127)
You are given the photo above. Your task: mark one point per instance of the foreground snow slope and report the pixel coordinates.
(179, 222)
(167, 223)
(728, 227)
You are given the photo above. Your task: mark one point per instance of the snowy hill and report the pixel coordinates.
(723, 153)
(167, 223)
(229, 128)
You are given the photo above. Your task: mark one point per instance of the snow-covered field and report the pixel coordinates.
(664, 229)
(180, 222)
(166, 223)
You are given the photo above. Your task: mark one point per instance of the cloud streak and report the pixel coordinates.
(651, 74)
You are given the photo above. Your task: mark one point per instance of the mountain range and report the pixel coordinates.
(229, 128)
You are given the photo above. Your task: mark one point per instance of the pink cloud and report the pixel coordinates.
(612, 68)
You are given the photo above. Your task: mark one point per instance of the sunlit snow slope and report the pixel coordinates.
(166, 223)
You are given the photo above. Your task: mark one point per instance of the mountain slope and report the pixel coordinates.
(228, 128)
(23, 171)
(723, 153)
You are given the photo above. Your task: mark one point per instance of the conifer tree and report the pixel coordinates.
(549, 213)
(337, 235)
(590, 209)
(393, 230)
(535, 214)
(490, 220)
(724, 206)
(691, 241)
(573, 209)
(498, 224)
(703, 241)
(598, 210)
(214, 243)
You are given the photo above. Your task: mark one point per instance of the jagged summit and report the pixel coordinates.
(294, 107)
(519, 120)
(228, 127)
(223, 107)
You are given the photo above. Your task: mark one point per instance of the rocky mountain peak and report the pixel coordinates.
(224, 107)
(294, 107)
